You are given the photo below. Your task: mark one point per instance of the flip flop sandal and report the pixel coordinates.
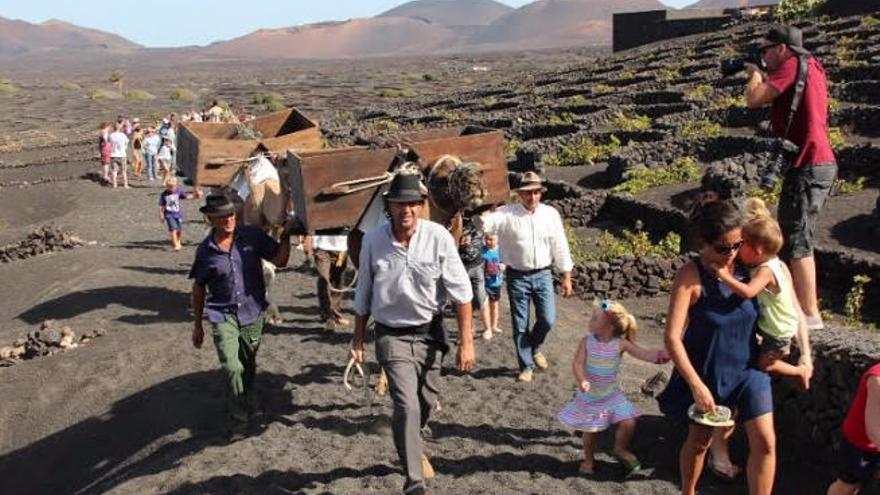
(720, 418)
(630, 466)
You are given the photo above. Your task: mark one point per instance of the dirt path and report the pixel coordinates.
(140, 411)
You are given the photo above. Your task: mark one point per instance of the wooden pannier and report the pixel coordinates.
(312, 173)
(207, 153)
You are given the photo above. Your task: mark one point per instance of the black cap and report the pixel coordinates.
(405, 188)
(787, 35)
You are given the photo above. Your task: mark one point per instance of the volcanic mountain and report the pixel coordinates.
(729, 4)
(18, 37)
(557, 23)
(451, 12)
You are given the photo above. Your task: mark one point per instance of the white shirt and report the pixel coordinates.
(406, 286)
(260, 170)
(335, 243)
(529, 241)
(164, 153)
(118, 145)
(152, 143)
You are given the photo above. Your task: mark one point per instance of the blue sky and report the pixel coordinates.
(159, 23)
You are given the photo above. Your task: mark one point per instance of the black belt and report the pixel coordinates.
(423, 329)
(527, 272)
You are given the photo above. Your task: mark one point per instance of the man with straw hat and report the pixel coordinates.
(408, 268)
(228, 272)
(532, 240)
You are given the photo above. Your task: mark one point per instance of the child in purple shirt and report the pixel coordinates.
(170, 211)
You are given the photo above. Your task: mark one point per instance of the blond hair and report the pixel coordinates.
(761, 229)
(170, 181)
(624, 323)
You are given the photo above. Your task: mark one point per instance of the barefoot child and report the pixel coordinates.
(779, 313)
(599, 402)
(170, 211)
(860, 446)
(164, 159)
(493, 271)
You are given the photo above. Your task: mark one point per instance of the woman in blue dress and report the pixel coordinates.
(710, 336)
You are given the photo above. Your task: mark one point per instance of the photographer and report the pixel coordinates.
(809, 167)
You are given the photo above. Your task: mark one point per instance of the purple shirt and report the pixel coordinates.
(234, 279)
(170, 200)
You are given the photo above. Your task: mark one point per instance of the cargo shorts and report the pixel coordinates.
(804, 191)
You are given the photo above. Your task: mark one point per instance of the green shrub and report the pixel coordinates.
(383, 125)
(584, 151)
(667, 74)
(635, 122)
(791, 10)
(833, 104)
(607, 247)
(843, 187)
(6, 87)
(602, 89)
(427, 77)
(138, 94)
(272, 102)
(726, 102)
(183, 94)
(388, 92)
(681, 170)
(699, 93)
(564, 118)
(870, 21)
(576, 100)
(770, 197)
(836, 137)
(626, 74)
(511, 147)
(701, 128)
(855, 299)
(71, 86)
(103, 94)
(489, 101)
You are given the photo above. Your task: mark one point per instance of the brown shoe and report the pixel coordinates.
(541, 361)
(427, 468)
(525, 376)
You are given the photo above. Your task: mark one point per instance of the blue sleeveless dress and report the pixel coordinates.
(720, 342)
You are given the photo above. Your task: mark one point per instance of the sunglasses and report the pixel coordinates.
(764, 48)
(725, 249)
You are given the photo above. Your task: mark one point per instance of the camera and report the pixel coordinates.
(785, 152)
(731, 66)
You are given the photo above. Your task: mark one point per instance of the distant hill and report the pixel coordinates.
(554, 23)
(729, 4)
(357, 37)
(18, 37)
(451, 12)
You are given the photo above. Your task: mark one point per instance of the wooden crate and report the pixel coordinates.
(312, 172)
(203, 147)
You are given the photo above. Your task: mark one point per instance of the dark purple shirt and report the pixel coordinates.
(234, 279)
(170, 200)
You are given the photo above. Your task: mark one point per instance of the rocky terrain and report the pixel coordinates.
(139, 411)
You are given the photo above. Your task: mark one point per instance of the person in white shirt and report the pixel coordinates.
(408, 268)
(330, 261)
(532, 240)
(119, 155)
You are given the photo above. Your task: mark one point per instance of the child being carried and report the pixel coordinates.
(780, 317)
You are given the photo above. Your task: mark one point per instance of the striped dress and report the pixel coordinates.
(604, 404)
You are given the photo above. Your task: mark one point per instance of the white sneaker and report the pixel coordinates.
(487, 334)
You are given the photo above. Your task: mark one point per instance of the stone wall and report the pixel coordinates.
(808, 423)
(625, 277)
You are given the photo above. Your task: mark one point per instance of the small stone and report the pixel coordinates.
(6, 352)
(47, 324)
(67, 342)
(19, 342)
(51, 336)
(66, 331)
(18, 351)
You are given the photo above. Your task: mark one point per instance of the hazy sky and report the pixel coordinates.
(158, 23)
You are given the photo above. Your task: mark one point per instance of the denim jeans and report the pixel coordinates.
(150, 161)
(522, 289)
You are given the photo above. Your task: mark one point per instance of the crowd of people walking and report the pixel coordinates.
(735, 310)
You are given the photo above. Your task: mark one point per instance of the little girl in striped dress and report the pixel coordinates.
(599, 402)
